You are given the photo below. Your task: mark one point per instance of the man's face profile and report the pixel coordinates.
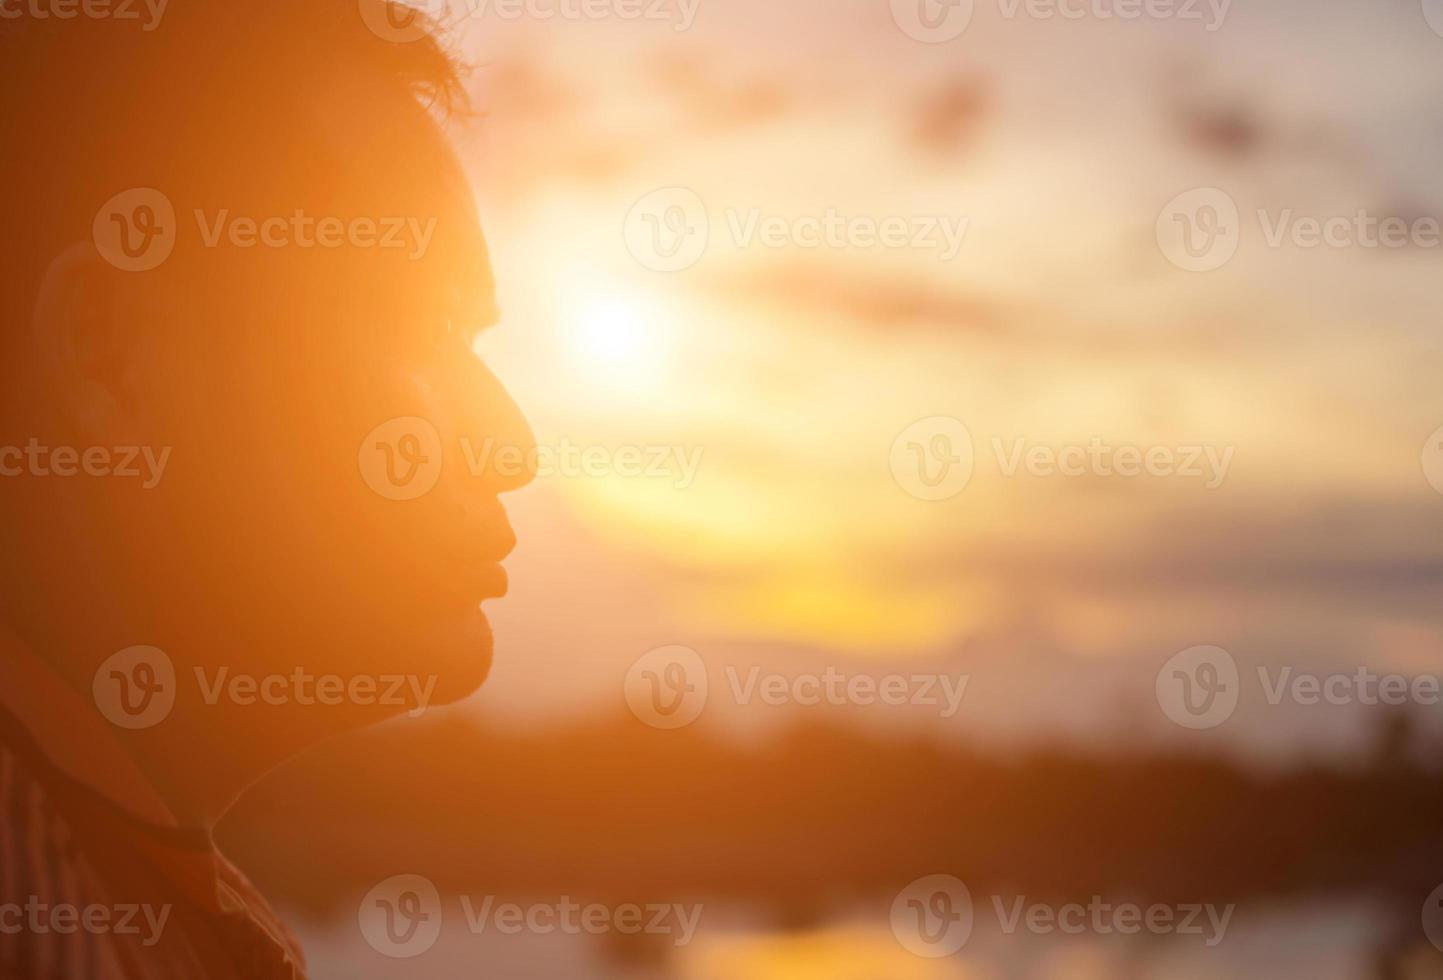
(271, 324)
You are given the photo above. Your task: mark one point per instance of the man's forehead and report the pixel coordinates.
(397, 154)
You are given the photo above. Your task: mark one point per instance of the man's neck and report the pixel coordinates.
(154, 775)
(196, 784)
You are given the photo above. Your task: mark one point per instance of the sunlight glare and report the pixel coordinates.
(615, 338)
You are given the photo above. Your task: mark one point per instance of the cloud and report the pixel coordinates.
(950, 116)
(883, 301)
(712, 99)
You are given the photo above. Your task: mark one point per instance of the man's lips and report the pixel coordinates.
(470, 554)
(491, 581)
(468, 583)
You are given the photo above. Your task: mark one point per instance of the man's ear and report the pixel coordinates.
(88, 343)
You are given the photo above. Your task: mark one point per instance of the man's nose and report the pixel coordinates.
(507, 459)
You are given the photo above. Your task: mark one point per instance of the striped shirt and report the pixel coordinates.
(93, 889)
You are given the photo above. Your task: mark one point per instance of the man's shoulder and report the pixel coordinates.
(87, 893)
(246, 903)
(60, 914)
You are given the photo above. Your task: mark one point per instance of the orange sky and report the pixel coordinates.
(787, 372)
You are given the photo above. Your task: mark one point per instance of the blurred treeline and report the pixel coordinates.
(820, 818)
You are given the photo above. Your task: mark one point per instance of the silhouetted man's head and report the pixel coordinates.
(244, 272)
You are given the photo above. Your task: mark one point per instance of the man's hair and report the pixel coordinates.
(218, 95)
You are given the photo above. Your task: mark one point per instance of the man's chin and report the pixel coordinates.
(457, 653)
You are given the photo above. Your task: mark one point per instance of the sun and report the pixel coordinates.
(610, 333)
(615, 337)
